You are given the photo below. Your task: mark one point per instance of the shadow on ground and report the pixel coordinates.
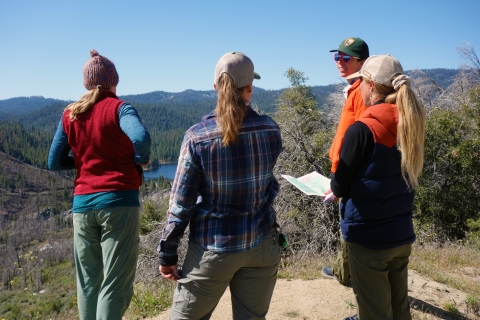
(427, 308)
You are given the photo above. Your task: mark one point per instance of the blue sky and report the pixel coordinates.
(174, 45)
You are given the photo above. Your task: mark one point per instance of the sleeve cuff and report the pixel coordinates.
(168, 261)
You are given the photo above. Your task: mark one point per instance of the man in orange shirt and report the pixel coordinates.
(349, 58)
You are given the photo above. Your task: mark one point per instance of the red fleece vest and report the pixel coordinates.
(103, 152)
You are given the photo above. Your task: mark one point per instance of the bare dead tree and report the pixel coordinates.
(434, 97)
(334, 105)
(310, 224)
(472, 60)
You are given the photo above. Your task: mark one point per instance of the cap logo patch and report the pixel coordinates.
(367, 74)
(349, 41)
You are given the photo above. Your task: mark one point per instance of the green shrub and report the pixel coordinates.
(473, 305)
(474, 229)
(150, 299)
(449, 192)
(13, 312)
(53, 306)
(451, 307)
(151, 213)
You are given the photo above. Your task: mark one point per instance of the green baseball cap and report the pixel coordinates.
(354, 47)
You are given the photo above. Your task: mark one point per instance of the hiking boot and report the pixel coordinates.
(354, 317)
(327, 272)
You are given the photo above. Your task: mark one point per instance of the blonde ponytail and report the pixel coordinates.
(85, 102)
(410, 132)
(230, 109)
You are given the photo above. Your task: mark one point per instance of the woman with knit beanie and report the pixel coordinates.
(104, 139)
(380, 162)
(224, 189)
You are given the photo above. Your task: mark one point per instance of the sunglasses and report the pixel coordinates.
(344, 57)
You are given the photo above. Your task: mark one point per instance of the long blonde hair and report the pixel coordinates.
(85, 102)
(410, 130)
(230, 109)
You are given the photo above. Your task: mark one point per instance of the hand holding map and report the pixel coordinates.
(312, 184)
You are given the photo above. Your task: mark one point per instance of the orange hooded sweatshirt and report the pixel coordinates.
(351, 112)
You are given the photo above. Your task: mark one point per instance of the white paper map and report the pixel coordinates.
(312, 184)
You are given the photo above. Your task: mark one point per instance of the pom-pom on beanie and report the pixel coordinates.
(99, 71)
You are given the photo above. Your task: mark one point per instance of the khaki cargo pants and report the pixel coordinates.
(251, 276)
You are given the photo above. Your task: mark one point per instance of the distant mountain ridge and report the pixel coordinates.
(162, 96)
(27, 136)
(22, 105)
(264, 99)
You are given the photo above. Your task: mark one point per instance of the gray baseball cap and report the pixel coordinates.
(380, 69)
(238, 66)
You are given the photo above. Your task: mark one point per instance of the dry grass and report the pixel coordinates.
(456, 265)
(305, 269)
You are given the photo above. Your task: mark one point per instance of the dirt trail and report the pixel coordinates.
(327, 299)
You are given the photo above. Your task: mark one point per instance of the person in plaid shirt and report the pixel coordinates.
(224, 189)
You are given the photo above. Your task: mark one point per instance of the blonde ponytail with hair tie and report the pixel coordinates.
(401, 80)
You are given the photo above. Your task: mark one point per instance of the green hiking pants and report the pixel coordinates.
(380, 281)
(341, 267)
(106, 244)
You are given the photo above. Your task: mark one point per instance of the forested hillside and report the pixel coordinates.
(34, 234)
(28, 124)
(23, 105)
(186, 96)
(442, 77)
(27, 144)
(167, 122)
(26, 188)
(166, 115)
(27, 135)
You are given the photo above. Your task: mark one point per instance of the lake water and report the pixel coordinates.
(166, 170)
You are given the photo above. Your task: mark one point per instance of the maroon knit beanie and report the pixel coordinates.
(99, 71)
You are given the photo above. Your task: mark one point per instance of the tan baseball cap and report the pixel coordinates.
(380, 69)
(238, 66)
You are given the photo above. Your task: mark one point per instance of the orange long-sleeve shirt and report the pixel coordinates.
(352, 110)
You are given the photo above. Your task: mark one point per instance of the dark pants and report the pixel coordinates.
(380, 281)
(341, 267)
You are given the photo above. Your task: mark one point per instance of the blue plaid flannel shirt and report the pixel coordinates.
(225, 193)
